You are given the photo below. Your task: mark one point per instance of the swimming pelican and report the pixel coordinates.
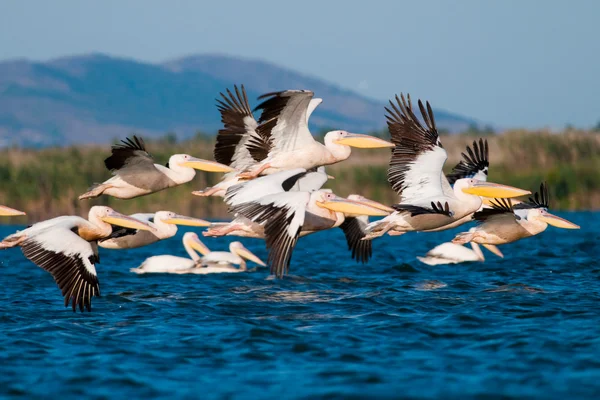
(10, 212)
(286, 215)
(164, 224)
(67, 248)
(426, 199)
(136, 174)
(507, 223)
(239, 126)
(451, 253)
(285, 141)
(211, 261)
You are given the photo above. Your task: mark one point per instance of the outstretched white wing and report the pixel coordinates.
(283, 122)
(415, 170)
(55, 246)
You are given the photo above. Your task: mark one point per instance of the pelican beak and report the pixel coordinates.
(9, 212)
(247, 254)
(493, 249)
(187, 221)
(197, 245)
(495, 190)
(126, 221)
(363, 141)
(206, 165)
(557, 221)
(351, 207)
(375, 204)
(330, 177)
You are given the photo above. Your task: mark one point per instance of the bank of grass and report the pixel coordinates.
(46, 183)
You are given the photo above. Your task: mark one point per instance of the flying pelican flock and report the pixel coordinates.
(274, 173)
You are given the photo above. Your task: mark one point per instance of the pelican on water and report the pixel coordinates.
(451, 253)
(136, 174)
(283, 140)
(164, 224)
(427, 201)
(10, 212)
(209, 263)
(506, 223)
(284, 216)
(67, 248)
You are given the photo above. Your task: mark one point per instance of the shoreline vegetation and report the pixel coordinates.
(45, 183)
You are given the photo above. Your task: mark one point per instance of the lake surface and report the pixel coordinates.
(527, 326)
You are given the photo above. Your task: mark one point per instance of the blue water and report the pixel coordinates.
(527, 326)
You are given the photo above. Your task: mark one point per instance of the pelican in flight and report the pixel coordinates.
(238, 135)
(451, 253)
(67, 248)
(427, 201)
(283, 216)
(136, 174)
(474, 164)
(506, 223)
(209, 263)
(164, 224)
(283, 140)
(239, 125)
(10, 212)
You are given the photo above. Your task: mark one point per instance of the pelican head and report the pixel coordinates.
(488, 189)
(169, 217)
(541, 214)
(9, 212)
(190, 239)
(356, 140)
(110, 216)
(339, 204)
(239, 249)
(187, 161)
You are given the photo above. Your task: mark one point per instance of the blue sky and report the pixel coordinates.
(512, 63)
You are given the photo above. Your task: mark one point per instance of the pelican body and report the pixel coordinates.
(164, 224)
(67, 248)
(208, 263)
(136, 174)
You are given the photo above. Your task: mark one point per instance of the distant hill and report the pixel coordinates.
(96, 98)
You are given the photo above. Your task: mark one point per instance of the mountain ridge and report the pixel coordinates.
(95, 98)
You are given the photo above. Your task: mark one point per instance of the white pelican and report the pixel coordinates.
(211, 261)
(451, 253)
(10, 212)
(415, 173)
(284, 215)
(475, 164)
(285, 142)
(136, 174)
(507, 223)
(67, 248)
(239, 125)
(164, 224)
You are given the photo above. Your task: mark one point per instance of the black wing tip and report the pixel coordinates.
(436, 208)
(474, 160)
(131, 143)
